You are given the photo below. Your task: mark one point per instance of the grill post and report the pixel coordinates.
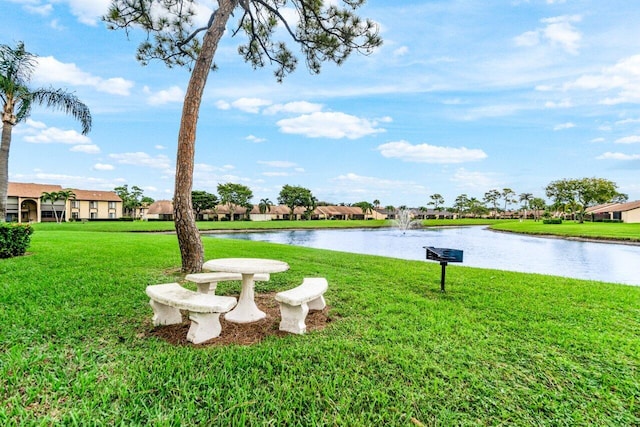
(444, 256)
(443, 274)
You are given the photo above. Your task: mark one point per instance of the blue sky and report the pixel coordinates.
(463, 97)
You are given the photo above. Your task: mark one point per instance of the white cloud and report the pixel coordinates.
(277, 163)
(173, 94)
(255, 139)
(425, 153)
(276, 174)
(563, 126)
(159, 147)
(623, 77)
(329, 125)
(634, 139)
(86, 148)
(598, 140)
(40, 133)
(627, 121)
(39, 9)
(50, 70)
(222, 105)
(565, 103)
(557, 31)
(103, 167)
(618, 156)
(401, 51)
(250, 105)
(473, 181)
(142, 159)
(298, 107)
(89, 12)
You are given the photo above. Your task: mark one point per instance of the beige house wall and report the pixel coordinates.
(632, 216)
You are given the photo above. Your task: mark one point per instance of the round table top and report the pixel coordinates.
(246, 265)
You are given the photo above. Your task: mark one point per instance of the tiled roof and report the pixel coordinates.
(22, 189)
(96, 195)
(161, 207)
(614, 207)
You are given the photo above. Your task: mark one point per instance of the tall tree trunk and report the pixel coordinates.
(8, 121)
(191, 249)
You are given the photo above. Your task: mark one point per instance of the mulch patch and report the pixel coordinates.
(246, 333)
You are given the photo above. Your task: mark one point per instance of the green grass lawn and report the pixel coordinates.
(498, 348)
(588, 230)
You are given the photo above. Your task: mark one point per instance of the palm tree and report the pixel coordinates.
(16, 68)
(64, 195)
(526, 199)
(52, 197)
(265, 206)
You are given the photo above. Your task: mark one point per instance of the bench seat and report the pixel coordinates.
(204, 309)
(295, 303)
(208, 282)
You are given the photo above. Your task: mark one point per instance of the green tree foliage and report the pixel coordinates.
(132, 199)
(203, 200)
(367, 207)
(234, 195)
(295, 196)
(492, 197)
(264, 206)
(577, 195)
(509, 197)
(437, 201)
(16, 68)
(322, 31)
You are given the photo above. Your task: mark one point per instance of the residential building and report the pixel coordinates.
(25, 204)
(625, 212)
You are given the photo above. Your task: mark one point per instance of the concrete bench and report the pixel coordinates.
(208, 282)
(204, 310)
(296, 303)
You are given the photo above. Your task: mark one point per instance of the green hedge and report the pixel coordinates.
(14, 239)
(552, 221)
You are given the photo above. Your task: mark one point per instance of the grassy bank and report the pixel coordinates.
(587, 230)
(497, 348)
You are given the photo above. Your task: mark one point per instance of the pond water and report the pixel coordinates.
(482, 248)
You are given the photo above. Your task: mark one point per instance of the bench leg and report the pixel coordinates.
(317, 304)
(204, 326)
(292, 318)
(164, 314)
(207, 288)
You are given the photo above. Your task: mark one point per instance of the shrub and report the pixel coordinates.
(14, 239)
(552, 221)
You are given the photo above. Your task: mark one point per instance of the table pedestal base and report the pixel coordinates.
(246, 311)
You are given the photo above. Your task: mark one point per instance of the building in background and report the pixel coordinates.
(25, 204)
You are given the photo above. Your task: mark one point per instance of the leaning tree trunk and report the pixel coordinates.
(191, 249)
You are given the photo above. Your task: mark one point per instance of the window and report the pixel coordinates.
(93, 215)
(93, 205)
(112, 205)
(46, 214)
(75, 215)
(75, 204)
(112, 215)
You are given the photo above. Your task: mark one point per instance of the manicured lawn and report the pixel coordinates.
(498, 348)
(598, 230)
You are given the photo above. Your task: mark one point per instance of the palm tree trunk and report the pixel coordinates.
(191, 249)
(5, 144)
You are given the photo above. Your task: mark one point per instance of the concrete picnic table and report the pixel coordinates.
(246, 311)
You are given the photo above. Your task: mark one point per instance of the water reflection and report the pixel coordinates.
(482, 248)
